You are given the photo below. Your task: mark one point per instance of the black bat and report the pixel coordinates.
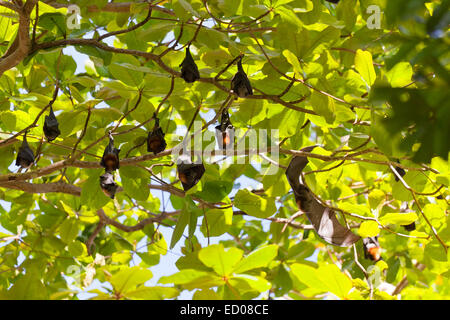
(51, 129)
(410, 227)
(25, 156)
(110, 159)
(322, 218)
(108, 185)
(240, 83)
(225, 131)
(190, 174)
(372, 249)
(155, 139)
(401, 172)
(189, 70)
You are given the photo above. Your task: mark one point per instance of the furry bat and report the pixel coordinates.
(240, 83)
(189, 70)
(51, 126)
(322, 218)
(25, 156)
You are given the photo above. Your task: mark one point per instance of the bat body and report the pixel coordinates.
(25, 156)
(108, 185)
(372, 249)
(225, 131)
(155, 139)
(110, 158)
(190, 174)
(401, 173)
(410, 227)
(240, 83)
(322, 218)
(51, 126)
(189, 70)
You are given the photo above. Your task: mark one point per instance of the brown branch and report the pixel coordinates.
(22, 44)
(6, 142)
(134, 27)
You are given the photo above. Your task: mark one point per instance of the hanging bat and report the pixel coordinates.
(401, 173)
(322, 218)
(372, 249)
(225, 131)
(410, 227)
(108, 185)
(189, 70)
(240, 83)
(190, 174)
(51, 129)
(110, 159)
(155, 139)
(25, 156)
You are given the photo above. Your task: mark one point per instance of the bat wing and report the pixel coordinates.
(322, 218)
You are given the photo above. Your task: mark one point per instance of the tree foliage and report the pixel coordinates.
(374, 101)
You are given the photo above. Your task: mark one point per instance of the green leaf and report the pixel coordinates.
(152, 293)
(324, 106)
(398, 218)
(128, 278)
(257, 259)
(376, 197)
(126, 75)
(69, 230)
(254, 205)
(191, 278)
(364, 65)
(256, 283)
(135, 182)
(183, 220)
(337, 282)
(221, 260)
(214, 224)
(400, 75)
(368, 229)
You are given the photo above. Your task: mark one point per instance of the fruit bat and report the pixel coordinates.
(372, 249)
(155, 139)
(189, 70)
(189, 173)
(240, 83)
(51, 129)
(110, 159)
(410, 227)
(401, 173)
(323, 219)
(108, 185)
(25, 156)
(225, 131)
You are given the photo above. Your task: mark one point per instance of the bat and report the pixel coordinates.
(225, 131)
(410, 227)
(401, 173)
(155, 139)
(110, 158)
(189, 70)
(240, 85)
(25, 156)
(190, 174)
(322, 218)
(372, 249)
(108, 185)
(51, 129)
(333, 1)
